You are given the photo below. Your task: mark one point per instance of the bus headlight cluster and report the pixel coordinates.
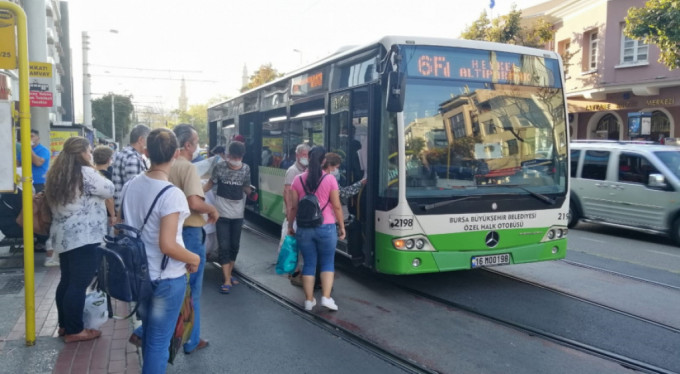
(555, 233)
(414, 243)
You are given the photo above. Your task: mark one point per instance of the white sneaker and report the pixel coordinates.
(328, 303)
(310, 304)
(52, 261)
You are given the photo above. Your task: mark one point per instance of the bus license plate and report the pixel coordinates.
(493, 260)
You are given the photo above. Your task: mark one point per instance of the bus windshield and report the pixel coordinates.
(476, 118)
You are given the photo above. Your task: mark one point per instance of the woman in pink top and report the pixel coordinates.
(318, 243)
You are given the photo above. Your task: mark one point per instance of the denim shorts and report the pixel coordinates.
(317, 244)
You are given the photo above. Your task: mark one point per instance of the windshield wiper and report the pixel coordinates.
(440, 204)
(537, 195)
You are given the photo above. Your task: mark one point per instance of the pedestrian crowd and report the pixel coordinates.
(89, 191)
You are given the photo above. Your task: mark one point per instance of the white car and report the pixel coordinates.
(627, 184)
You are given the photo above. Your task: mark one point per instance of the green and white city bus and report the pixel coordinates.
(463, 144)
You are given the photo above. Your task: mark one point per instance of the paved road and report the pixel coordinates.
(251, 333)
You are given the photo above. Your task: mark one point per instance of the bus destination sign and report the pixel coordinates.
(476, 65)
(307, 83)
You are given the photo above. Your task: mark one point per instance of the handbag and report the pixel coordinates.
(288, 256)
(184, 325)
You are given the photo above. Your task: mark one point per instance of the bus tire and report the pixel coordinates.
(574, 215)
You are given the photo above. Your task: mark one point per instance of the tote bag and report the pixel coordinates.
(184, 325)
(288, 256)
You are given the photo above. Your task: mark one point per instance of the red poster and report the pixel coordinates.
(41, 99)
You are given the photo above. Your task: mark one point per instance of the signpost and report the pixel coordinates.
(21, 63)
(8, 40)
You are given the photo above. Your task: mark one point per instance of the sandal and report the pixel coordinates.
(225, 288)
(234, 281)
(86, 334)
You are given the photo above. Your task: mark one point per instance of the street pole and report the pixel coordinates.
(87, 90)
(113, 118)
(87, 94)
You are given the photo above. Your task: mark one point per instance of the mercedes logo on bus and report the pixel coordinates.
(492, 239)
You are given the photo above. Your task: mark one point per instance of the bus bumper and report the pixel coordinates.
(391, 261)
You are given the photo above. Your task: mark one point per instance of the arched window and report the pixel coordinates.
(661, 126)
(607, 128)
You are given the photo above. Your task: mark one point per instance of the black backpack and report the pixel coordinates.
(309, 213)
(123, 272)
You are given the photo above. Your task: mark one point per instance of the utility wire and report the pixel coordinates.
(147, 69)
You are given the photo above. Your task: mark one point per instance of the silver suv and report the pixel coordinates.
(627, 184)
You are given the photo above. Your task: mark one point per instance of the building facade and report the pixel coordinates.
(616, 88)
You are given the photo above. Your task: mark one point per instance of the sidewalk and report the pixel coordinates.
(110, 353)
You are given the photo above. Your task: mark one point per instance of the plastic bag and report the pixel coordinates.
(288, 256)
(96, 311)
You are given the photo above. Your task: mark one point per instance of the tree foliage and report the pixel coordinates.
(197, 116)
(658, 22)
(101, 114)
(509, 29)
(266, 73)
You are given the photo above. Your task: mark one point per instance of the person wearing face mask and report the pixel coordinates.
(184, 175)
(299, 167)
(233, 185)
(75, 193)
(332, 167)
(40, 161)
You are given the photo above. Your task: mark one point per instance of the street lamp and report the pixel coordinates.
(87, 93)
(300, 52)
(113, 118)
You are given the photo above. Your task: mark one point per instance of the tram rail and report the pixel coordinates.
(619, 274)
(624, 361)
(386, 355)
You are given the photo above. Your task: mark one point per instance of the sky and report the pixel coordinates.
(208, 42)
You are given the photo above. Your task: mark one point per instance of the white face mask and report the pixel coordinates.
(335, 173)
(304, 161)
(195, 154)
(236, 164)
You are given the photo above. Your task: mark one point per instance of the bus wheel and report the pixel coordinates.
(574, 215)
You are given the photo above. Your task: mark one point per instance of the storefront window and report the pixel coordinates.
(607, 128)
(661, 126)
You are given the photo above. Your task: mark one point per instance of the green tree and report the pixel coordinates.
(197, 116)
(101, 115)
(266, 73)
(658, 22)
(510, 29)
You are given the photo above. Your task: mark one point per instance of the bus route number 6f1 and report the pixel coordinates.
(401, 222)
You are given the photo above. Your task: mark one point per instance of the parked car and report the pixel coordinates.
(626, 184)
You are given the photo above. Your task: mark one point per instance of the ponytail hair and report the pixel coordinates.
(316, 156)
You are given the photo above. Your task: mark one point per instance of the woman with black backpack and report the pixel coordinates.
(316, 209)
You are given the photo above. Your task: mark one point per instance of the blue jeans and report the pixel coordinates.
(78, 267)
(159, 317)
(317, 243)
(193, 241)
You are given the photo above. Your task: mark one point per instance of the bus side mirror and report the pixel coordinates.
(396, 90)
